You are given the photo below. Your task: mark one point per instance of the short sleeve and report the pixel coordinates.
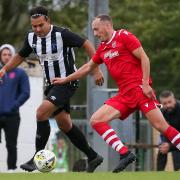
(26, 49)
(96, 58)
(130, 40)
(71, 39)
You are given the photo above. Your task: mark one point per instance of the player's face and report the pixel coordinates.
(100, 30)
(41, 26)
(168, 103)
(6, 55)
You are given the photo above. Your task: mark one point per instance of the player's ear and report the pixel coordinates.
(47, 19)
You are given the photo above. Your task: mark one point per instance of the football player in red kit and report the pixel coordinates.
(129, 66)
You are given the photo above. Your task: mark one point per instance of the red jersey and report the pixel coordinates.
(122, 65)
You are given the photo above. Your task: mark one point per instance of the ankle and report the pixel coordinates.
(122, 156)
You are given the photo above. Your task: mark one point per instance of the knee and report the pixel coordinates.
(100, 116)
(40, 115)
(65, 125)
(95, 119)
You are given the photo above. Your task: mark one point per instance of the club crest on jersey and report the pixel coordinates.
(54, 47)
(111, 55)
(114, 44)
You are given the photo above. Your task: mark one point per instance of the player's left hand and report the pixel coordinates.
(58, 80)
(148, 91)
(98, 77)
(164, 148)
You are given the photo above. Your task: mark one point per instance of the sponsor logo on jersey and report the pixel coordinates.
(114, 44)
(47, 57)
(111, 55)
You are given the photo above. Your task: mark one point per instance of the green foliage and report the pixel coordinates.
(155, 23)
(75, 18)
(14, 17)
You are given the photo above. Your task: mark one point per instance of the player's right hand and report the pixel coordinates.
(148, 91)
(98, 78)
(2, 72)
(58, 80)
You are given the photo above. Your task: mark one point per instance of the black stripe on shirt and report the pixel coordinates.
(34, 44)
(66, 63)
(43, 45)
(53, 42)
(71, 61)
(46, 68)
(56, 69)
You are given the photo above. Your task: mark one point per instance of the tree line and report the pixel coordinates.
(154, 22)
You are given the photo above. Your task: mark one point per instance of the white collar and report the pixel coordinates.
(111, 37)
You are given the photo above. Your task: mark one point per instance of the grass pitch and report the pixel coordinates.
(92, 176)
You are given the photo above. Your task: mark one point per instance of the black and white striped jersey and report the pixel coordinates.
(55, 51)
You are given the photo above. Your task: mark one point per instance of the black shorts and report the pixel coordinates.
(60, 96)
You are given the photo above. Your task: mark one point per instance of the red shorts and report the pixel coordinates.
(131, 101)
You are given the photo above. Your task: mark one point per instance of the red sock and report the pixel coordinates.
(173, 135)
(109, 135)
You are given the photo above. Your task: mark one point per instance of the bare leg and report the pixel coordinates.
(64, 121)
(78, 139)
(99, 122)
(43, 130)
(157, 120)
(105, 113)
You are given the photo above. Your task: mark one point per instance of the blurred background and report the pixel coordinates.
(154, 22)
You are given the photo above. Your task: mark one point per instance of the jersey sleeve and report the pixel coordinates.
(71, 39)
(26, 49)
(130, 40)
(97, 58)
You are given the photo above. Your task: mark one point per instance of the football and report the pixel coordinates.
(45, 160)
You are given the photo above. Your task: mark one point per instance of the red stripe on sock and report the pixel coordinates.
(113, 140)
(109, 135)
(170, 133)
(177, 142)
(124, 150)
(101, 128)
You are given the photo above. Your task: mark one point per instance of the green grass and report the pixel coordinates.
(93, 176)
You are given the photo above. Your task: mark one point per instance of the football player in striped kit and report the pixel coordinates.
(54, 48)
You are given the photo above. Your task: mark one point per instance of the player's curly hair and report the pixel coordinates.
(37, 11)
